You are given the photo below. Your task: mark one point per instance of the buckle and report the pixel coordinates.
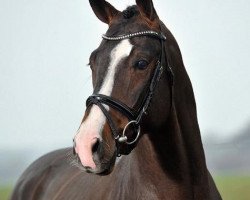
(124, 138)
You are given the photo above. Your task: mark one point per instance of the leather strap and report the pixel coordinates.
(114, 103)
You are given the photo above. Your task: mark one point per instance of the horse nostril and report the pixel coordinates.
(95, 146)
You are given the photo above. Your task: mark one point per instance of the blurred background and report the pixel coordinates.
(44, 81)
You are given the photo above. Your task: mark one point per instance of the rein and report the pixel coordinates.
(134, 116)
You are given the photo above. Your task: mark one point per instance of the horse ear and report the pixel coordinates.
(103, 10)
(146, 8)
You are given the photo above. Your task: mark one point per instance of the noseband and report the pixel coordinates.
(134, 116)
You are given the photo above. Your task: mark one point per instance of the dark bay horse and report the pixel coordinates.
(139, 138)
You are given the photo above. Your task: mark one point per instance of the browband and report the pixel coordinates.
(137, 34)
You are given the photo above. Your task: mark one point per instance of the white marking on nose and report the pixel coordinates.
(92, 127)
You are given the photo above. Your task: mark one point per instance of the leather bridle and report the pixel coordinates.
(134, 115)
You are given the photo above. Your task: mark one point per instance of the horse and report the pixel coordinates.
(139, 137)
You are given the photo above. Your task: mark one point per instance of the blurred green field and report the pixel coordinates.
(5, 192)
(233, 187)
(230, 187)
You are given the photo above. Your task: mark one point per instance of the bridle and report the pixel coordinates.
(134, 115)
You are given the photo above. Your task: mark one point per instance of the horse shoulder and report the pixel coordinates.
(32, 183)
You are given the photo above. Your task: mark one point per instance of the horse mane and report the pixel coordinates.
(186, 112)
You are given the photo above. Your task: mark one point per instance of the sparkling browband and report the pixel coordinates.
(141, 33)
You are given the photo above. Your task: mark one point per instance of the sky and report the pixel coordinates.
(45, 46)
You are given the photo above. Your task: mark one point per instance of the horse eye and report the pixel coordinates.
(142, 64)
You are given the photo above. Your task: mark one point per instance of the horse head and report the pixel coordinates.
(130, 71)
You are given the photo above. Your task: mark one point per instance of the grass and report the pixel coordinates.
(230, 187)
(233, 187)
(5, 192)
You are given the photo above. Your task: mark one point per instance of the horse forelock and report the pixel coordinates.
(130, 11)
(131, 20)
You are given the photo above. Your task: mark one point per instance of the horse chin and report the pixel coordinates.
(105, 172)
(106, 168)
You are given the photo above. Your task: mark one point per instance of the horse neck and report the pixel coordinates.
(174, 152)
(165, 159)
(162, 152)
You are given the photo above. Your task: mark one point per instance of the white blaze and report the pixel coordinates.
(96, 119)
(121, 51)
